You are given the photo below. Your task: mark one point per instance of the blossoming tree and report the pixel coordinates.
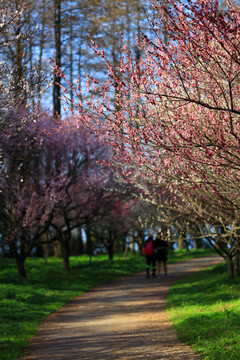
(175, 113)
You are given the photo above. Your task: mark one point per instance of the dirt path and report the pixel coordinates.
(123, 320)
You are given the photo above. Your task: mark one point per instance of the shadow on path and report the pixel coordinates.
(122, 320)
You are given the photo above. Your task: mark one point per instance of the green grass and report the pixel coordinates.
(182, 255)
(204, 309)
(25, 303)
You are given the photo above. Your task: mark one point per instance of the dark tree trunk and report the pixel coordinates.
(195, 244)
(57, 79)
(18, 69)
(89, 241)
(180, 242)
(132, 242)
(20, 266)
(110, 251)
(126, 249)
(111, 242)
(230, 267)
(66, 265)
(80, 242)
(20, 257)
(66, 252)
(140, 241)
(237, 264)
(41, 46)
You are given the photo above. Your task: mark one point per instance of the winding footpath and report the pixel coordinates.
(122, 320)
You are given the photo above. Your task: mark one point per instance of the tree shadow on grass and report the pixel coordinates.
(206, 287)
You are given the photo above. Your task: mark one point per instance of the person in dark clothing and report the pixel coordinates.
(149, 252)
(161, 253)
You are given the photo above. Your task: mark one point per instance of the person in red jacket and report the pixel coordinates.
(149, 252)
(161, 254)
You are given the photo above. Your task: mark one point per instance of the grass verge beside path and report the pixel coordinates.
(204, 309)
(25, 303)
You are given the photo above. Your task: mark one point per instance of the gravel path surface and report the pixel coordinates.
(123, 320)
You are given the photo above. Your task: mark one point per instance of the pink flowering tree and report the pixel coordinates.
(30, 189)
(115, 219)
(58, 186)
(175, 115)
(28, 194)
(86, 191)
(26, 214)
(92, 193)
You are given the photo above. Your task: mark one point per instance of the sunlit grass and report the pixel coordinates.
(25, 303)
(205, 311)
(182, 255)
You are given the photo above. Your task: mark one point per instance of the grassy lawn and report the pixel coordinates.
(25, 303)
(182, 255)
(205, 311)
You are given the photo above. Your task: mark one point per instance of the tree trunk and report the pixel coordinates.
(57, 249)
(89, 241)
(30, 59)
(45, 253)
(18, 69)
(140, 241)
(65, 250)
(132, 242)
(20, 266)
(180, 242)
(71, 59)
(195, 244)
(186, 245)
(41, 46)
(57, 79)
(230, 267)
(66, 265)
(80, 242)
(80, 69)
(110, 246)
(126, 249)
(237, 264)
(171, 249)
(110, 251)
(45, 248)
